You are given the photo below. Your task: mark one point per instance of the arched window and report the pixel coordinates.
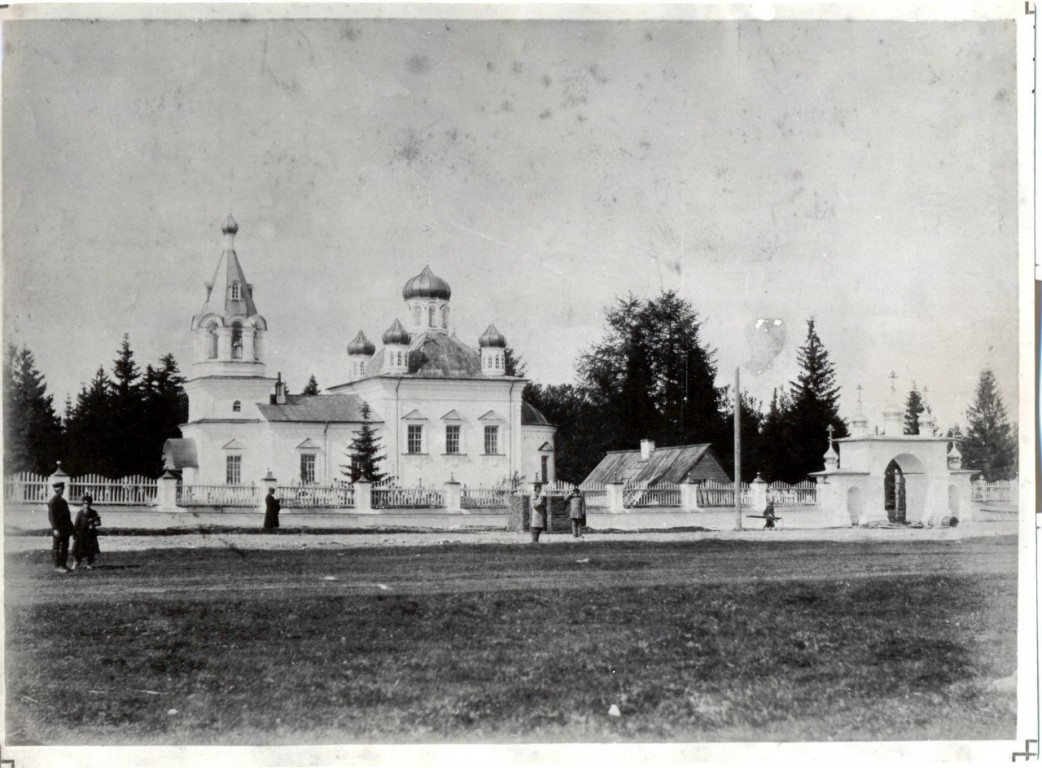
(236, 341)
(445, 317)
(416, 315)
(236, 291)
(430, 316)
(361, 368)
(237, 406)
(211, 341)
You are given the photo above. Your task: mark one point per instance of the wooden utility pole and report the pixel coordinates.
(737, 452)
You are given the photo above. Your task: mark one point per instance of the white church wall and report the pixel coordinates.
(215, 441)
(214, 398)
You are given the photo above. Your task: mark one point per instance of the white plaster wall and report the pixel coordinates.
(212, 398)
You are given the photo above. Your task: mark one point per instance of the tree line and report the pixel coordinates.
(650, 376)
(116, 426)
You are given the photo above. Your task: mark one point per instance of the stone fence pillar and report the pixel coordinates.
(363, 496)
(453, 495)
(758, 494)
(60, 476)
(689, 496)
(166, 492)
(268, 482)
(615, 497)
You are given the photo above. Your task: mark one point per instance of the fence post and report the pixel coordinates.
(166, 492)
(453, 495)
(758, 494)
(363, 496)
(59, 476)
(689, 495)
(268, 482)
(615, 497)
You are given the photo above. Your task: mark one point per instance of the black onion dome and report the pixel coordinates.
(360, 345)
(427, 285)
(230, 227)
(492, 338)
(396, 334)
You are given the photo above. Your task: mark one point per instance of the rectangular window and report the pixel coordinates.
(491, 439)
(452, 438)
(307, 468)
(414, 443)
(233, 470)
(545, 468)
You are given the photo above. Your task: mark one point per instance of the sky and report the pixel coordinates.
(863, 173)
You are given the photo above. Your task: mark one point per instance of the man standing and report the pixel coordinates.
(539, 506)
(577, 511)
(271, 510)
(61, 528)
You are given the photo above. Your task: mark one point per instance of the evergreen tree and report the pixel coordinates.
(578, 429)
(913, 407)
(753, 448)
(815, 406)
(165, 409)
(312, 387)
(131, 446)
(990, 443)
(364, 452)
(33, 431)
(90, 430)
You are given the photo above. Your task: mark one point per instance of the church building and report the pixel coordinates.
(441, 408)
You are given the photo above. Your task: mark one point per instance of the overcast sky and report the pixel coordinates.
(861, 172)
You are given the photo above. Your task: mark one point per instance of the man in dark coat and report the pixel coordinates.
(85, 542)
(769, 516)
(271, 510)
(61, 528)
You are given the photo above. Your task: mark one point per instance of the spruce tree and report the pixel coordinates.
(913, 407)
(815, 406)
(990, 443)
(131, 446)
(165, 409)
(364, 452)
(91, 434)
(311, 388)
(33, 431)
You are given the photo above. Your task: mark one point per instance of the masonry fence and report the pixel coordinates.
(311, 496)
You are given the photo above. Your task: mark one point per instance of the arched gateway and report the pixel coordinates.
(893, 478)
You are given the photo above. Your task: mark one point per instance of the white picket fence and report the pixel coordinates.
(396, 497)
(485, 498)
(134, 490)
(783, 494)
(712, 493)
(659, 495)
(998, 490)
(218, 495)
(310, 496)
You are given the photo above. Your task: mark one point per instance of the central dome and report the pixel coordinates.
(426, 285)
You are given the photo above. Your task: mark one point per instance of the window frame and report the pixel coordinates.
(410, 431)
(233, 469)
(491, 430)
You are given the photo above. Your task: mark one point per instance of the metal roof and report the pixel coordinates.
(321, 408)
(665, 465)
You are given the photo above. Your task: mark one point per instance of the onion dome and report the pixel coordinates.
(396, 334)
(492, 338)
(230, 227)
(360, 345)
(426, 285)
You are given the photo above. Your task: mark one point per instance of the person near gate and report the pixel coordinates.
(576, 503)
(538, 503)
(271, 510)
(60, 518)
(85, 541)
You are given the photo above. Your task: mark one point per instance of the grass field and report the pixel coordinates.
(695, 641)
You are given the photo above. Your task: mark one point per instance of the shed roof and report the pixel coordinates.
(665, 465)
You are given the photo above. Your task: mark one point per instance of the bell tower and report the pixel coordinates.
(227, 370)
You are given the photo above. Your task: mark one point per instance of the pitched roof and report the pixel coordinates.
(437, 356)
(665, 465)
(332, 408)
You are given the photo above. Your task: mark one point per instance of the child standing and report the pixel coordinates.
(86, 533)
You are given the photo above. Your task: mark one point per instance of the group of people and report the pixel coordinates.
(539, 504)
(83, 531)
